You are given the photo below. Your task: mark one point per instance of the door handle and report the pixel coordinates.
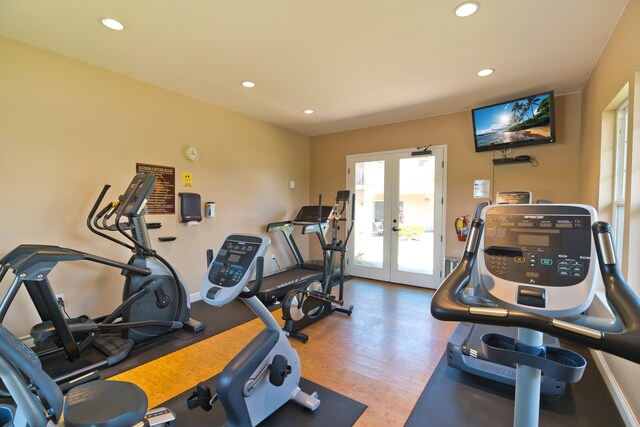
(394, 228)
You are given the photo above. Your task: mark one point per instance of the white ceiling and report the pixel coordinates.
(358, 63)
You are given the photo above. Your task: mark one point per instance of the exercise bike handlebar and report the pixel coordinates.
(257, 284)
(449, 303)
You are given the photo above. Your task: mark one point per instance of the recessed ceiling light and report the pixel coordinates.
(486, 72)
(467, 8)
(112, 24)
(248, 84)
(308, 111)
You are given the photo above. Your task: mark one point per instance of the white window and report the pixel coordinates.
(620, 177)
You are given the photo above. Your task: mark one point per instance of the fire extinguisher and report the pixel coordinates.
(462, 228)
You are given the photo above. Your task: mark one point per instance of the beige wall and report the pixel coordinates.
(67, 128)
(619, 65)
(555, 177)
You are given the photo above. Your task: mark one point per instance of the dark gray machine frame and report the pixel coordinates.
(302, 307)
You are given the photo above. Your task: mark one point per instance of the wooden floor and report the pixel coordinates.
(382, 356)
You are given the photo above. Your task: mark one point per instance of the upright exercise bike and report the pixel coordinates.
(265, 374)
(537, 268)
(302, 307)
(155, 299)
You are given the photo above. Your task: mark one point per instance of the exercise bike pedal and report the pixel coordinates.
(193, 325)
(279, 370)
(201, 398)
(160, 417)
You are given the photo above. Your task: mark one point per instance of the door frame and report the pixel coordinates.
(384, 274)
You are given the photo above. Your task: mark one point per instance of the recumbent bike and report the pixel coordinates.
(39, 402)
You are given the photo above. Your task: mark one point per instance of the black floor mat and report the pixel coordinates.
(217, 320)
(456, 398)
(335, 410)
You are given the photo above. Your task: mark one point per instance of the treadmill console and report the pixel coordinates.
(231, 270)
(309, 215)
(539, 257)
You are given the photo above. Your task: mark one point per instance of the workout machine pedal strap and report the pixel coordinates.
(201, 398)
(559, 363)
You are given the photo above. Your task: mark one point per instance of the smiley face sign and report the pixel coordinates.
(187, 179)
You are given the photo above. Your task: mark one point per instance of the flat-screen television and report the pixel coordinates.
(524, 121)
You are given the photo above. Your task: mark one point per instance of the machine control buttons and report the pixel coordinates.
(519, 259)
(498, 264)
(571, 268)
(546, 261)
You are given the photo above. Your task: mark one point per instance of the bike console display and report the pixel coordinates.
(539, 258)
(231, 270)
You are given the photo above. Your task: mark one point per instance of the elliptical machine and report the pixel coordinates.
(265, 374)
(522, 260)
(155, 299)
(302, 307)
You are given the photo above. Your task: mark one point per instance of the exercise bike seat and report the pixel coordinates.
(122, 403)
(97, 404)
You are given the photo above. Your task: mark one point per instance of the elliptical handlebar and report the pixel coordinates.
(92, 219)
(449, 303)
(97, 203)
(352, 219)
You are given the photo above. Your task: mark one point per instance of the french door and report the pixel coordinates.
(398, 234)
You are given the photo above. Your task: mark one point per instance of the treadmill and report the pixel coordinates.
(465, 350)
(312, 220)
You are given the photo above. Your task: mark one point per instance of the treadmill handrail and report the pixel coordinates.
(449, 303)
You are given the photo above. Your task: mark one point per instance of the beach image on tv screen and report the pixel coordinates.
(526, 119)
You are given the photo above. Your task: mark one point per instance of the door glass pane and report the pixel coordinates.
(416, 214)
(369, 214)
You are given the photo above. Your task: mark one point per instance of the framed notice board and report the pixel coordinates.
(163, 198)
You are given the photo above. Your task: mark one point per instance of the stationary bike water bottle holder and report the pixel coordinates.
(620, 337)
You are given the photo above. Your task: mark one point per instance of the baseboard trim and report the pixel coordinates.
(195, 297)
(616, 392)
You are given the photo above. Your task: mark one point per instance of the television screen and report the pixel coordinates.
(524, 121)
